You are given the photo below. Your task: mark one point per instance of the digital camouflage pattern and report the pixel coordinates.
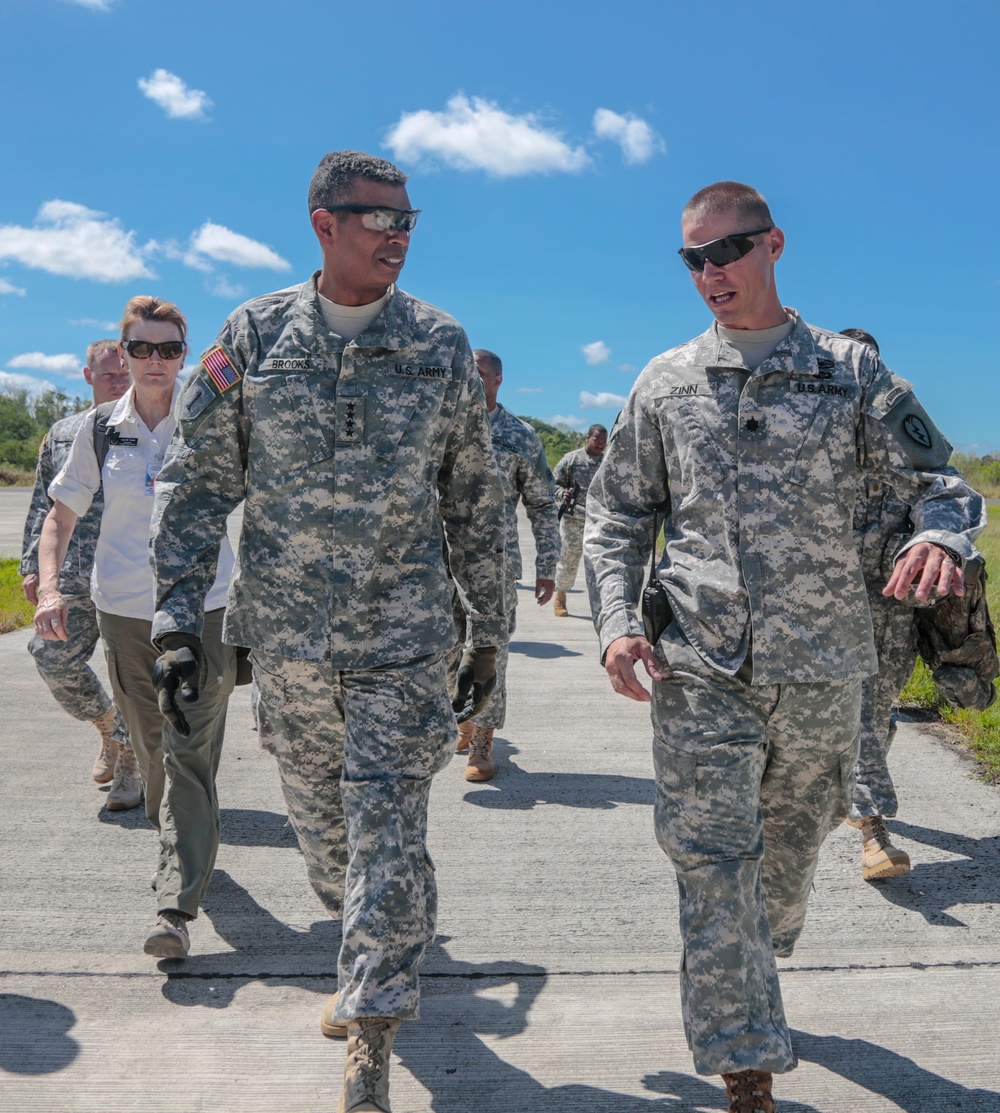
(881, 528)
(64, 665)
(575, 467)
(524, 472)
(74, 576)
(381, 734)
(749, 782)
(350, 457)
(756, 475)
(357, 461)
(958, 643)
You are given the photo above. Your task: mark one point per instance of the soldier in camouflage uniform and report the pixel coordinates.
(747, 444)
(525, 474)
(64, 665)
(574, 474)
(349, 417)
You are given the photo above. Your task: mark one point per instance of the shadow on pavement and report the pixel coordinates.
(517, 790)
(252, 827)
(931, 888)
(544, 650)
(213, 980)
(902, 1081)
(33, 1035)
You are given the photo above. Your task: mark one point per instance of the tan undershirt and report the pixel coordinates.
(350, 321)
(756, 344)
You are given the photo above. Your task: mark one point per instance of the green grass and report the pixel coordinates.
(15, 610)
(980, 729)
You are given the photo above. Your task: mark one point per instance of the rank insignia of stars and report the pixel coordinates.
(220, 370)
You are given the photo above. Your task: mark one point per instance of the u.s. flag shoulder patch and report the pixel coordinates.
(220, 370)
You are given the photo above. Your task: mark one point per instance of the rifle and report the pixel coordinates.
(569, 505)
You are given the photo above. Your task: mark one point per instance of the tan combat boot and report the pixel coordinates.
(480, 767)
(559, 605)
(879, 858)
(366, 1073)
(465, 732)
(126, 788)
(335, 1029)
(104, 766)
(749, 1091)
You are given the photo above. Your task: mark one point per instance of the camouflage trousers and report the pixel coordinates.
(356, 751)
(494, 714)
(749, 782)
(895, 644)
(178, 772)
(571, 546)
(64, 668)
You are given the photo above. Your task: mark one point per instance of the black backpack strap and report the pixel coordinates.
(103, 432)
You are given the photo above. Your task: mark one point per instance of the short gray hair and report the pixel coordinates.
(100, 348)
(333, 181)
(724, 197)
(491, 358)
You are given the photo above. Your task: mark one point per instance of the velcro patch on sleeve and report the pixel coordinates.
(919, 438)
(222, 373)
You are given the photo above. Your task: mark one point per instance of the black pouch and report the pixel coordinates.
(655, 606)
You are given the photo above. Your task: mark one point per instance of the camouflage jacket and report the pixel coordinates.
(74, 576)
(526, 476)
(881, 528)
(577, 467)
(754, 476)
(355, 461)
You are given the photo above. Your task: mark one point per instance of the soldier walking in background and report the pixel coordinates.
(350, 417)
(882, 526)
(525, 474)
(747, 444)
(573, 475)
(63, 665)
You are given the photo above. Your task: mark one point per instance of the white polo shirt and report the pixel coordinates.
(121, 582)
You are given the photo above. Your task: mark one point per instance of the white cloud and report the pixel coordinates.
(571, 420)
(221, 287)
(9, 288)
(637, 139)
(93, 322)
(480, 135)
(225, 246)
(24, 382)
(75, 241)
(175, 98)
(529, 390)
(94, 5)
(595, 353)
(62, 364)
(603, 401)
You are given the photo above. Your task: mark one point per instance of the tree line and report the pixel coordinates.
(25, 418)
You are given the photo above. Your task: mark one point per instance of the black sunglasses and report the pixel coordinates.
(379, 218)
(143, 349)
(720, 253)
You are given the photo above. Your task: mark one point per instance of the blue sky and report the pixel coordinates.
(167, 149)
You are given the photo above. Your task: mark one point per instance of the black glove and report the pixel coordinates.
(178, 667)
(477, 677)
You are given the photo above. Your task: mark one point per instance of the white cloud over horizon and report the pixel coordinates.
(637, 139)
(529, 390)
(9, 288)
(24, 382)
(597, 352)
(221, 287)
(93, 322)
(571, 420)
(94, 5)
(64, 363)
(226, 246)
(477, 134)
(178, 100)
(605, 400)
(71, 240)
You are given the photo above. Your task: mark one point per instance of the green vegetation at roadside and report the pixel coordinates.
(557, 440)
(15, 610)
(982, 472)
(24, 419)
(980, 729)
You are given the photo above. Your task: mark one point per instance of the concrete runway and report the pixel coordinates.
(552, 986)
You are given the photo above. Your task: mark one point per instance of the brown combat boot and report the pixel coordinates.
(480, 767)
(879, 858)
(335, 1029)
(749, 1091)
(559, 605)
(465, 732)
(126, 788)
(104, 766)
(366, 1073)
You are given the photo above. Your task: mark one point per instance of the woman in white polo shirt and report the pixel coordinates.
(178, 771)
